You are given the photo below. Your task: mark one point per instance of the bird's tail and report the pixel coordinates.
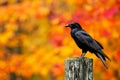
(103, 57)
(106, 56)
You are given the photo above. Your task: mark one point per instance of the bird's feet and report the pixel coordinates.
(82, 55)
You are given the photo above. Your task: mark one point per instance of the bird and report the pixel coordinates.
(85, 42)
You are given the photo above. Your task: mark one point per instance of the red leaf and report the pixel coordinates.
(110, 12)
(118, 55)
(106, 33)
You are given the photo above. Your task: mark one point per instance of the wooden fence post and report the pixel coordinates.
(79, 69)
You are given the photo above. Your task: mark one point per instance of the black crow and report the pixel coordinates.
(87, 43)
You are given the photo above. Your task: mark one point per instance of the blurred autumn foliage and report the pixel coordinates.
(34, 42)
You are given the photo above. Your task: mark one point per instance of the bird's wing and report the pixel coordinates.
(86, 39)
(99, 44)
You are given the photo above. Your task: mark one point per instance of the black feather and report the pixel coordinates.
(87, 43)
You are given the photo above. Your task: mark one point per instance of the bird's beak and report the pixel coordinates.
(68, 25)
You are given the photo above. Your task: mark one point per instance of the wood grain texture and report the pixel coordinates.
(79, 69)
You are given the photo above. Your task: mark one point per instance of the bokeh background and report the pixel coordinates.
(34, 42)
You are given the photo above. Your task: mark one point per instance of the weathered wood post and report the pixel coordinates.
(79, 69)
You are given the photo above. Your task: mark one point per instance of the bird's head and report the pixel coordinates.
(74, 25)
